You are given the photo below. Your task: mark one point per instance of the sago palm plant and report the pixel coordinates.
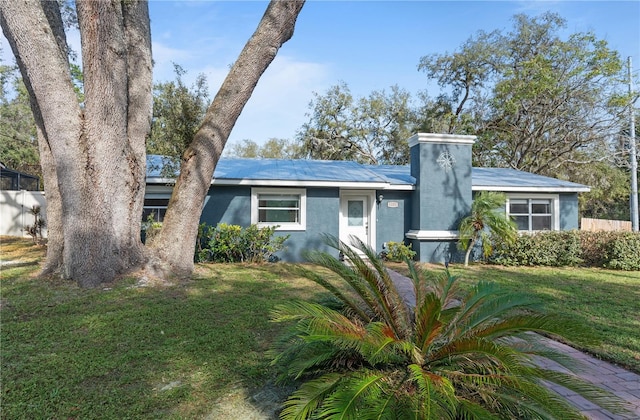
(450, 354)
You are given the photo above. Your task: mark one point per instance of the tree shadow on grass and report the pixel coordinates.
(124, 351)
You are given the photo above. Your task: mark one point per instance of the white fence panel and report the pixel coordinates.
(15, 211)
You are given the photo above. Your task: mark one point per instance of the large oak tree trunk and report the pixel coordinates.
(96, 152)
(93, 156)
(173, 249)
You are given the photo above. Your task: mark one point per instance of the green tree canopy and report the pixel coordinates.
(371, 129)
(18, 140)
(273, 148)
(534, 98)
(178, 111)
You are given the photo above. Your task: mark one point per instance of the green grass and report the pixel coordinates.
(130, 352)
(606, 302)
(174, 352)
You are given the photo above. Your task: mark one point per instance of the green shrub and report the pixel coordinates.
(616, 250)
(150, 228)
(398, 252)
(232, 243)
(623, 252)
(543, 248)
(594, 247)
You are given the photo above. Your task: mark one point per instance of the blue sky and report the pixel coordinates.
(369, 45)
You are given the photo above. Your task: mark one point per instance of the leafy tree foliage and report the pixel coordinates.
(178, 111)
(371, 129)
(535, 99)
(464, 73)
(448, 354)
(18, 140)
(610, 190)
(274, 148)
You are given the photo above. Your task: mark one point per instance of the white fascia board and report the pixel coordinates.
(441, 139)
(531, 189)
(158, 180)
(433, 234)
(399, 187)
(280, 183)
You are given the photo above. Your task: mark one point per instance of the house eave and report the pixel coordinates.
(290, 183)
(530, 189)
(433, 235)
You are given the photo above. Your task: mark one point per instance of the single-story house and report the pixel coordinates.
(421, 203)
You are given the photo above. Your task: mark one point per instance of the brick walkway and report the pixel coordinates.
(621, 382)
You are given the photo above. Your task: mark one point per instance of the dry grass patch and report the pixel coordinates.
(20, 250)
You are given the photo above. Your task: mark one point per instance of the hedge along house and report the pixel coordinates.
(421, 203)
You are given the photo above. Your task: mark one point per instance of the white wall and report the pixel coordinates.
(15, 211)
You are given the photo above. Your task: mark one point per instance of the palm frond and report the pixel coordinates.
(370, 281)
(471, 410)
(391, 305)
(304, 402)
(477, 355)
(534, 402)
(486, 302)
(531, 344)
(516, 324)
(381, 346)
(354, 392)
(321, 281)
(585, 389)
(351, 278)
(437, 397)
(428, 325)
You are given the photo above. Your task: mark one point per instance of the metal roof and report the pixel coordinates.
(295, 170)
(304, 172)
(505, 179)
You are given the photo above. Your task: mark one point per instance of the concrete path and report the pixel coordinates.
(620, 382)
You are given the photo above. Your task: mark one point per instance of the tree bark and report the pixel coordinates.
(55, 237)
(93, 157)
(173, 248)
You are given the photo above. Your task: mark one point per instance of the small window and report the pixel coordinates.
(157, 207)
(532, 214)
(282, 207)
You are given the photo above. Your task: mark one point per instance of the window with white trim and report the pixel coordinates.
(283, 207)
(534, 214)
(155, 207)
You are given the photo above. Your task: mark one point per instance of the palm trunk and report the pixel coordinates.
(468, 253)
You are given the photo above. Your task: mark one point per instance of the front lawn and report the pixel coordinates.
(137, 352)
(182, 351)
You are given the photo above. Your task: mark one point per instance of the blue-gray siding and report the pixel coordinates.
(568, 211)
(232, 205)
(393, 222)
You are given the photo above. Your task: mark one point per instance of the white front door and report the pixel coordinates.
(356, 217)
